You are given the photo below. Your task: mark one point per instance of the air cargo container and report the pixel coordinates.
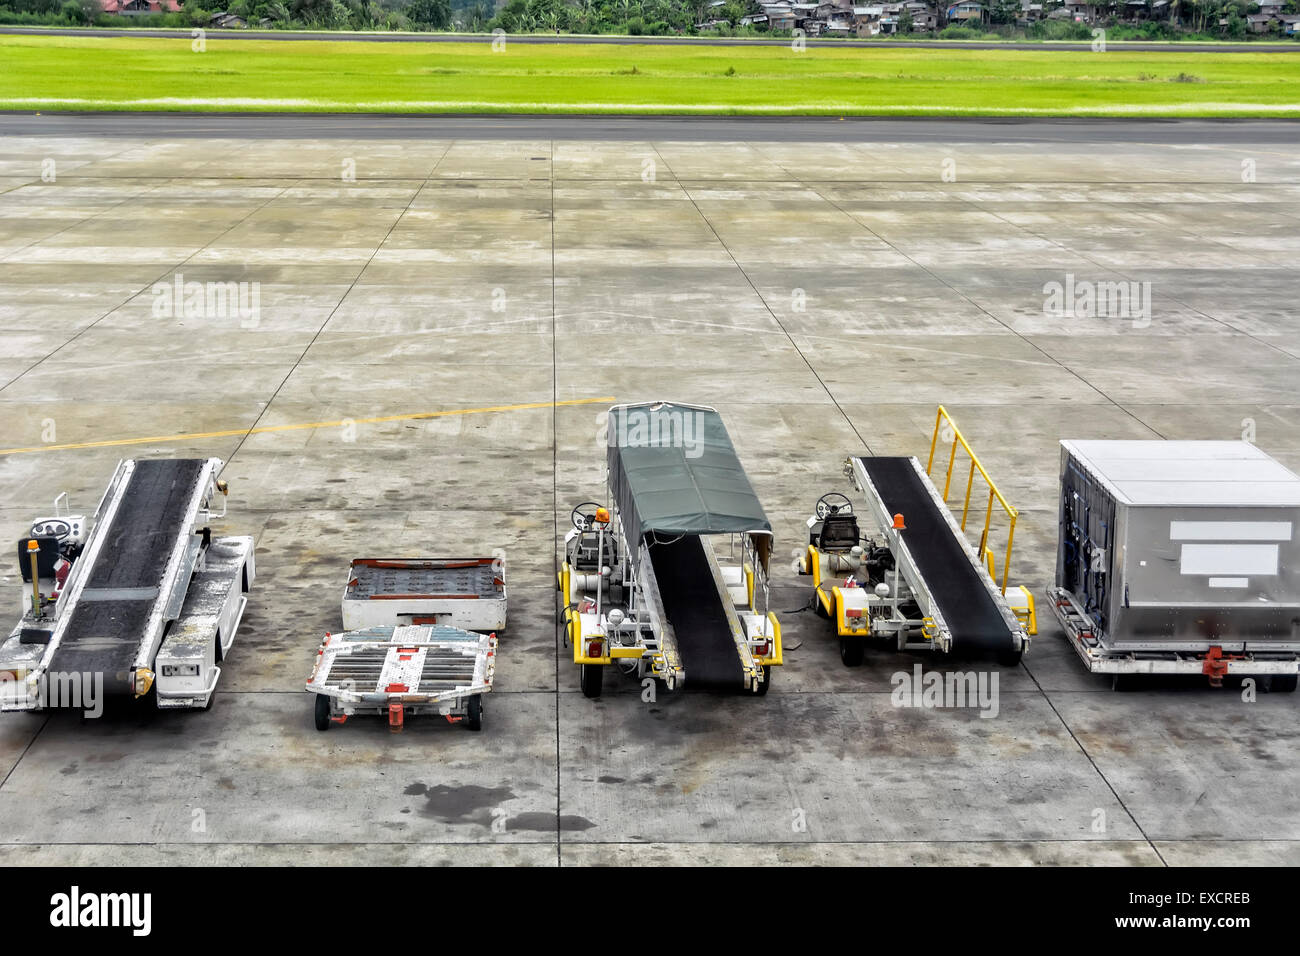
(1179, 557)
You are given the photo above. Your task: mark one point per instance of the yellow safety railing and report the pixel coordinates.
(994, 495)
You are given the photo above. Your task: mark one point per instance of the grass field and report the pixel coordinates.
(76, 73)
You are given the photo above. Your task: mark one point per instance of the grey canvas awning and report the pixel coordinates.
(674, 471)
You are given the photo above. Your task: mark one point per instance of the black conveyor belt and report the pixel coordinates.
(972, 615)
(694, 608)
(106, 625)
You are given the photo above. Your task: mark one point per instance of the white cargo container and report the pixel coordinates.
(1179, 557)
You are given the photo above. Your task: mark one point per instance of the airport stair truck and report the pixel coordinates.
(1179, 557)
(917, 582)
(669, 580)
(138, 597)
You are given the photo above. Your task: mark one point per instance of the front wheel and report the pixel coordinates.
(852, 650)
(474, 713)
(1011, 658)
(766, 684)
(591, 676)
(322, 712)
(1282, 684)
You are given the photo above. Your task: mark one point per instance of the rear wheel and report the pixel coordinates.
(763, 688)
(852, 650)
(1282, 684)
(474, 713)
(818, 607)
(322, 712)
(591, 676)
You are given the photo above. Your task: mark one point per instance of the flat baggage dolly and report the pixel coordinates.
(404, 670)
(412, 643)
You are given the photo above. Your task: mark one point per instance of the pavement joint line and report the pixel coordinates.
(337, 305)
(1125, 275)
(169, 270)
(770, 311)
(300, 426)
(1087, 756)
(963, 295)
(555, 511)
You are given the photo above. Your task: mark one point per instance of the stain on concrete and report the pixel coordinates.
(545, 823)
(467, 804)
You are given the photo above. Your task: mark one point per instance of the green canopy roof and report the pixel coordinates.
(674, 471)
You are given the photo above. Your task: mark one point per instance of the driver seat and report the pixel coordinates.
(46, 558)
(839, 532)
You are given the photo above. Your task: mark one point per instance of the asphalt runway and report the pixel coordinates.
(264, 126)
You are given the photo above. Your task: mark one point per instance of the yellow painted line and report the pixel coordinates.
(231, 432)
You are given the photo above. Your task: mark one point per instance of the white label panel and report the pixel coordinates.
(1229, 582)
(1229, 559)
(1229, 531)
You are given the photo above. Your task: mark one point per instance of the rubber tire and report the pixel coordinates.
(322, 712)
(818, 609)
(1010, 658)
(1123, 683)
(1282, 684)
(764, 687)
(474, 712)
(591, 677)
(852, 651)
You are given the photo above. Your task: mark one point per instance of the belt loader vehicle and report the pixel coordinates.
(1179, 557)
(137, 597)
(410, 646)
(918, 583)
(644, 584)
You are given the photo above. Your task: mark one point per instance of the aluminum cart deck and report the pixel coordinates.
(461, 592)
(403, 670)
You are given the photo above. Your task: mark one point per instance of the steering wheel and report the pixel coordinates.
(585, 520)
(829, 504)
(53, 528)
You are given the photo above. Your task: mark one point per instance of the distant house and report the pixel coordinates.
(1290, 24)
(1262, 22)
(227, 20)
(967, 12)
(866, 20)
(1082, 12)
(135, 8)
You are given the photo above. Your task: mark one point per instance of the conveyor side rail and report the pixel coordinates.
(950, 575)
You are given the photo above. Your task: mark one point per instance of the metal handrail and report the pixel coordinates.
(959, 439)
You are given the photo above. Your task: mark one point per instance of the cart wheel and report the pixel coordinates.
(1123, 682)
(322, 712)
(474, 713)
(818, 609)
(767, 681)
(590, 677)
(1282, 684)
(1011, 658)
(852, 651)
